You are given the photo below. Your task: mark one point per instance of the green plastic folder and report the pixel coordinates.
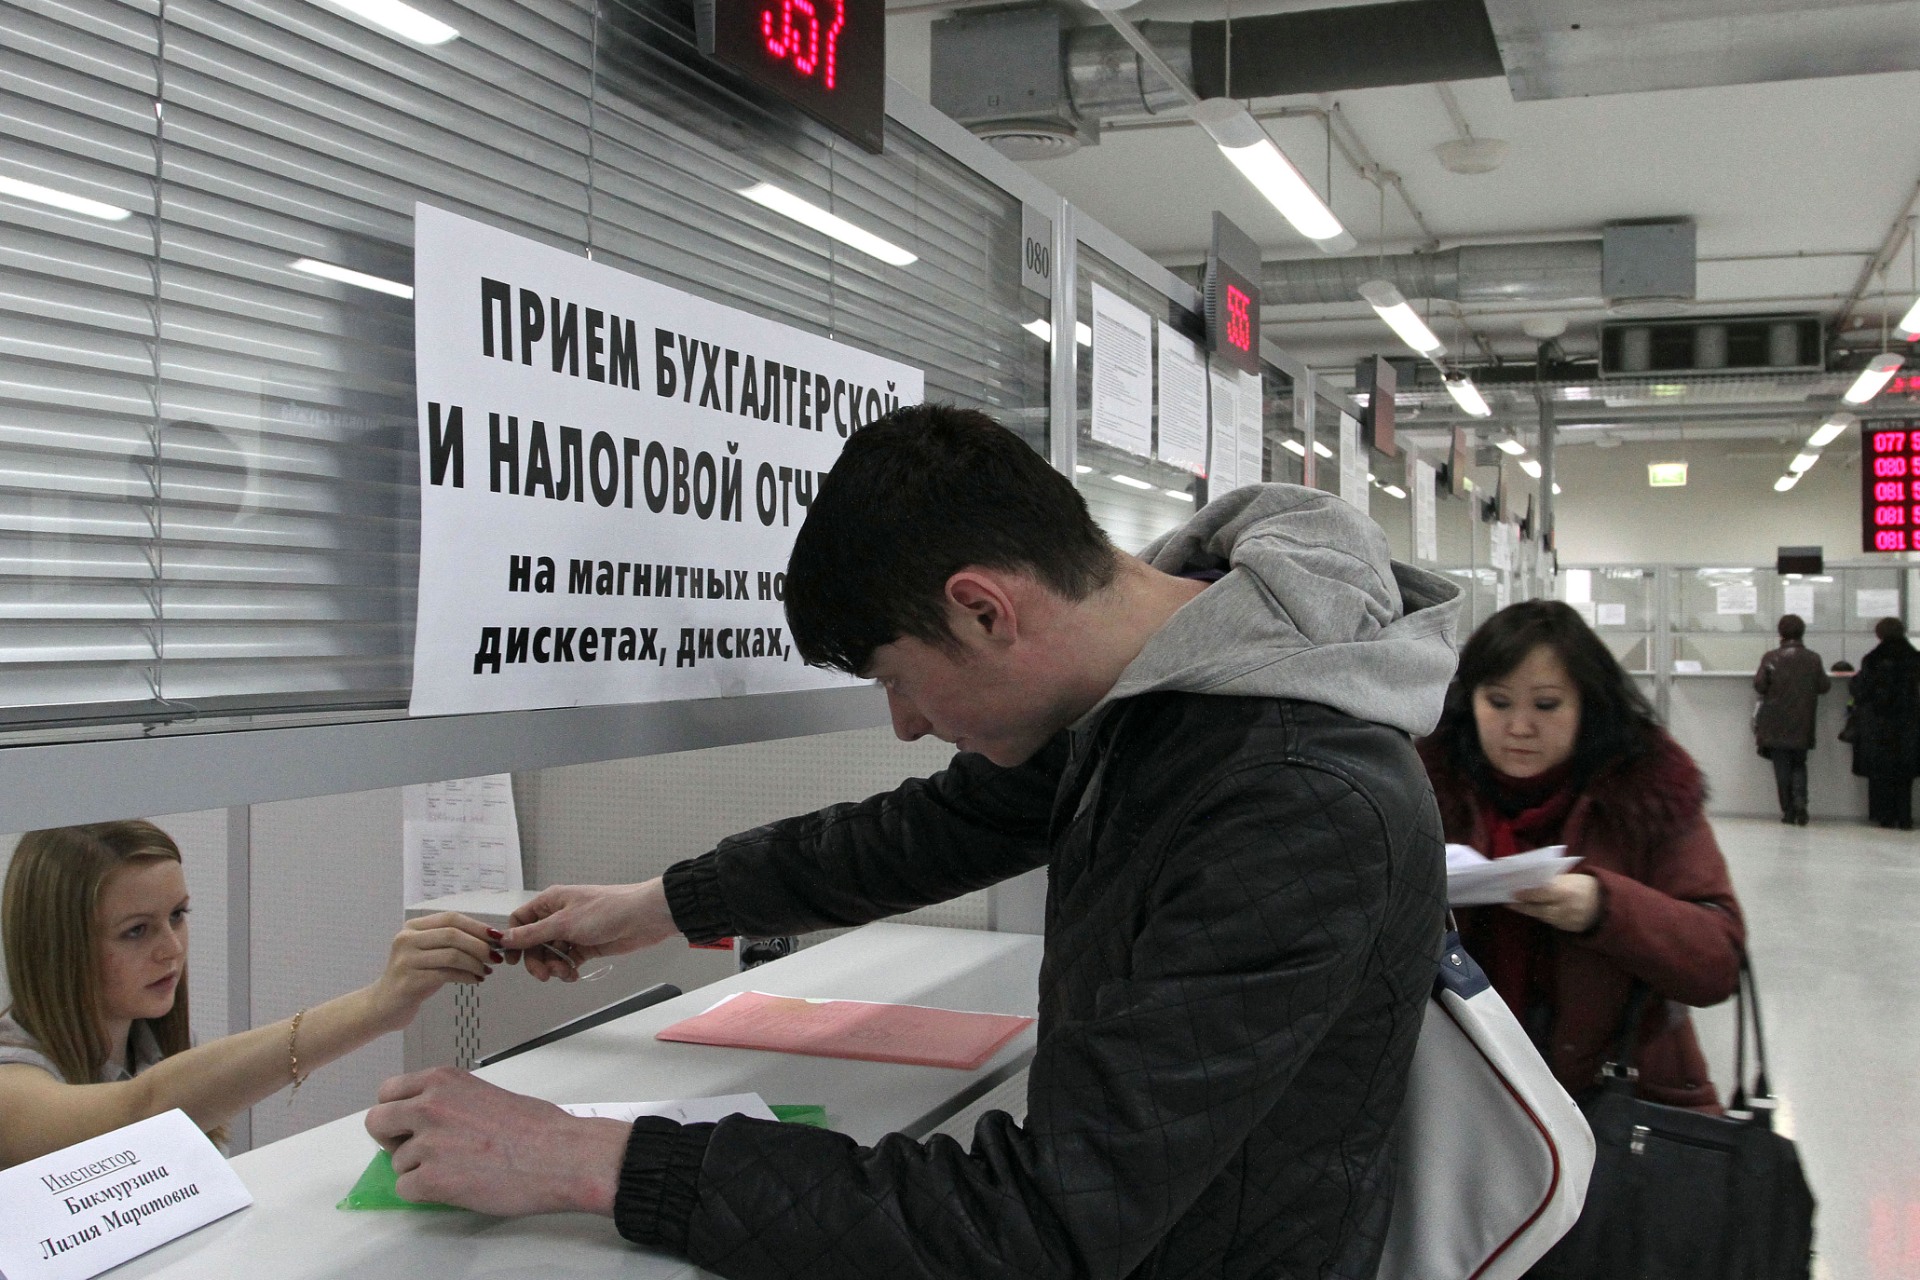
(375, 1188)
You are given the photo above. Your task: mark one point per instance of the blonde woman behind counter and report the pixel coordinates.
(95, 926)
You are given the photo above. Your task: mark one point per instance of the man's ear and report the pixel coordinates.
(984, 603)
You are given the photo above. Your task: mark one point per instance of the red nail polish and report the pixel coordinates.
(496, 957)
(489, 968)
(495, 933)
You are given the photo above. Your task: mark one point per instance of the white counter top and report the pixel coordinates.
(293, 1231)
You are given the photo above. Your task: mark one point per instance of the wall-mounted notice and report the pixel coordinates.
(73, 1214)
(460, 835)
(1223, 455)
(1353, 463)
(1426, 519)
(1876, 602)
(1612, 615)
(1500, 545)
(611, 476)
(1253, 428)
(1797, 598)
(1183, 401)
(1736, 598)
(1122, 374)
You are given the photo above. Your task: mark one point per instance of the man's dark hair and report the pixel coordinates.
(1890, 629)
(921, 494)
(1616, 722)
(1793, 627)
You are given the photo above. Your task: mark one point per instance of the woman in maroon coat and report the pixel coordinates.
(1546, 741)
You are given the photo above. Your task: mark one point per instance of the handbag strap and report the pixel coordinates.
(1748, 996)
(1618, 1066)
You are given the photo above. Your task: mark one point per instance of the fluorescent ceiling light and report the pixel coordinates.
(1510, 446)
(1395, 490)
(61, 200)
(1531, 467)
(359, 279)
(1181, 494)
(1372, 478)
(1830, 430)
(1872, 378)
(1392, 307)
(1322, 450)
(1081, 468)
(1468, 397)
(1803, 463)
(1785, 483)
(1129, 481)
(1041, 329)
(1667, 475)
(1294, 447)
(1557, 490)
(783, 201)
(1910, 323)
(402, 19)
(1242, 140)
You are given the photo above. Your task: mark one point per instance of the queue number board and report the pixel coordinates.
(826, 57)
(1233, 319)
(1890, 485)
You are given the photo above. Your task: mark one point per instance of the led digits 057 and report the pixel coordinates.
(826, 57)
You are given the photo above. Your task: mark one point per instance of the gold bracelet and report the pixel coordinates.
(293, 1056)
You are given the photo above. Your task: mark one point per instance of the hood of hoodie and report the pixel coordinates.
(1312, 607)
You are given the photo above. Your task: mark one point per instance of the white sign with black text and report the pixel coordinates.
(1253, 429)
(1426, 522)
(1353, 463)
(1183, 401)
(73, 1214)
(612, 473)
(1223, 454)
(1122, 411)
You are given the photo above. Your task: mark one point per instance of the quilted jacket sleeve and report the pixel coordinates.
(1272, 896)
(971, 825)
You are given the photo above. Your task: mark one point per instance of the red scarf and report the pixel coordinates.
(1517, 950)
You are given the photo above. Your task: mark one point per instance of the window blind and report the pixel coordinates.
(208, 483)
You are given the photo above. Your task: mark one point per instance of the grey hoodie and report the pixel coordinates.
(1312, 607)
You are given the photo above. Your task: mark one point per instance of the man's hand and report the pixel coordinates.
(1570, 902)
(457, 1140)
(579, 922)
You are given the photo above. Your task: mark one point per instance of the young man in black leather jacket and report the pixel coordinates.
(1208, 746)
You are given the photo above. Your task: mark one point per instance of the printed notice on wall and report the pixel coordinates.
(1612, 615)
(1183, 401)
(1876, 602)
(1353, 463)
(1223, 457)
(611, 476)
(1253, 428)
(1736, 598)
(1426, 522)
(461, 835)
(1797, 598)
(1122, 374)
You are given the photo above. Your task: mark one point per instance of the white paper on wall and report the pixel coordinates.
(459, 835)
(1223, 454)
(1797, 598)
(1353, 463)
(1122, 374)
(1736, 598)
(612, 473)
(1612, 615)
(1502, 592)
(1183, 401)
(1426, 519)
(1253, 428)
(1500, 545)
(1876, 602)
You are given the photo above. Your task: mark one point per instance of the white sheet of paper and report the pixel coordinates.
(1502, 593)
(1223, 457)
(1611, 615)
(1473, 880)
(1736, 598)
(1183, 401)
(1797, 598)
(1876, 602)
(458, 836)
(1426, 519)
(1353, 463)
(93, 1205)
(1687, 667)
(1122, 374)
(683, 1110)
(1253, 429)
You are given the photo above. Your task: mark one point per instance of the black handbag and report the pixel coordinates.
(1678, 1195)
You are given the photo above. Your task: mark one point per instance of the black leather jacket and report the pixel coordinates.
(1243, 919)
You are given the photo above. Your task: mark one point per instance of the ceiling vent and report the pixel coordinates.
(1720, 344)
(1030, 139)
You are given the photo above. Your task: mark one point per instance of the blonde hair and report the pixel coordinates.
(47, 920)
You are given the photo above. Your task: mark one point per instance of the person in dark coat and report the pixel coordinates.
(1546, 741)
(1886, 725)
(1790, 681)
(1209, 747)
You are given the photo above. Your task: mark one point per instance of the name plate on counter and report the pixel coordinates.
(73, 1214)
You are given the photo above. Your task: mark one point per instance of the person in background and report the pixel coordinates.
(94, 920)
(1545, 741)
(1886, 725)
(1790, 681)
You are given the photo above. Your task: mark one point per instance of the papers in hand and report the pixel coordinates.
(1473, 880)
(683, 1110)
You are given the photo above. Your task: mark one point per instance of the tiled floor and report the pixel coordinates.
(1833, 913)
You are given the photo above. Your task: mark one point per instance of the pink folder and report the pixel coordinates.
(904, 1033)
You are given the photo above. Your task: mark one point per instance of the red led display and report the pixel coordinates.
(1233, 317)
(1239, 327)
(827, 57)
(1890, 497)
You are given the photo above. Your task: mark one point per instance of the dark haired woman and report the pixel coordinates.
(1546, 741)
(95, 926)
(1886, 725)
